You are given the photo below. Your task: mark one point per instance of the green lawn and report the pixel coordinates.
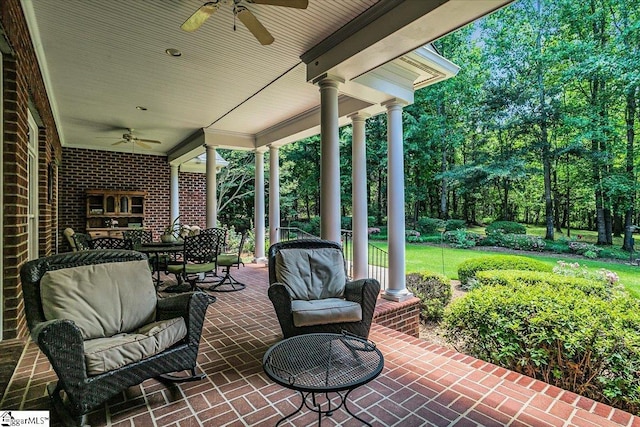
(444, 260)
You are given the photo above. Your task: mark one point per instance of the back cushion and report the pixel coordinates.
(102, 299)
(311, 274)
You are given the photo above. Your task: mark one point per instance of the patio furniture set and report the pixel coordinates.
(192, 259)
(97, 317)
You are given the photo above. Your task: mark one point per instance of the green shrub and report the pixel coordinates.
(556, 333)
(462, 238)
(515, 241)
(428, 225)
(535, 278)
(585, 249)
(346, 223)
(455, 224)
(505, 227)
(468, 268)
(434, 291)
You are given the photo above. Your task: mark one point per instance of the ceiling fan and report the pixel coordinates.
(243, 14)
(129, 137)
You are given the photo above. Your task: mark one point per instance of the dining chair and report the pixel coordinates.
(226, 261)
(198, 259)
(138, 237)
(109, 243)
(81, 242)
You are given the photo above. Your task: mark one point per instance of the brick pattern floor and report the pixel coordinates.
(422, 384)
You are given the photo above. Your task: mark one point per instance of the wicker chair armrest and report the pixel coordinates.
(362, 290)
(190, 305)
(62, 342)
(280, 296)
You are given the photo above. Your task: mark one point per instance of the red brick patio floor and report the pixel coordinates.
(422, 384)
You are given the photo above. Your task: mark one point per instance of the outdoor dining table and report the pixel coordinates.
(160, 248)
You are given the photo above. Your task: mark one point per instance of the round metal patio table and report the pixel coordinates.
(321, 364)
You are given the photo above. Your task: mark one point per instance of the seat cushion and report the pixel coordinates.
(323, 311)
(227, 259)
(106, 354)
(191, 268)
(102, 299)
(311, 274)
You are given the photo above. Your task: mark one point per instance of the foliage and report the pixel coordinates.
(434, 292)
(426, 225)
(468, 269)
(535, 278)
(556, 333)
(586, 249)
(455, 224)
(505, 227)
(461, 238)
(574, 269)
(515, 241)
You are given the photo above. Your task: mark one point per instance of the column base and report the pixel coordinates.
(397, 296)
(261, 260)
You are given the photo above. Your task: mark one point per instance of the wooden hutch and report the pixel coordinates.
(110, 212)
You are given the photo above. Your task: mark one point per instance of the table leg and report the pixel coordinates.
(351, 413)
(294, 412)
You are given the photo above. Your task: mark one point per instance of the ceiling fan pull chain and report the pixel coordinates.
(235, 14)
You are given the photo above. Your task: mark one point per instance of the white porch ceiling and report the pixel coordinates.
(102, 58)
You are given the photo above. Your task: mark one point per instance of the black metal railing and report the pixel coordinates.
(378, 258)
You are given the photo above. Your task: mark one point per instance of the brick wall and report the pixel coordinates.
(193, 199)
(83, 169)
(402, 317)
(22, 85)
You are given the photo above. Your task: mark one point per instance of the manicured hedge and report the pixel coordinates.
(434, 291)
(560, 333)
(468, 269)
(533, 278)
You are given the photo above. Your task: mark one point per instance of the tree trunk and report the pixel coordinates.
(630, 116)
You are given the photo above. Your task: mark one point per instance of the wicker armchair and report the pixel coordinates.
(65, 343)
(328, 302)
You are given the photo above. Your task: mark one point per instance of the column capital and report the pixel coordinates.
(273, 147)
(260, 150)
(328, 80)
(359, 116)
(394, 103)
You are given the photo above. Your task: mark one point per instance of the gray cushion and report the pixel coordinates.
(321, 312)
(106, 354)
(311, 274)
(102, 299)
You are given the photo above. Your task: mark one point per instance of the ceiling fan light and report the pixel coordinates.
(141, 108)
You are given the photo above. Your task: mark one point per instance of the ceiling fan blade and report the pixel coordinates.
(298, 4)
(141, 144)
(153, 141)
(119, 142)
(199, 16)
(257, 29)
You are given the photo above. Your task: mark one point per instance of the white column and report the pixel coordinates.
(396, 289)
(274, 194)
(212, 198)
(359, 196)
(329, 158)
(258, 206)
(175, 192)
